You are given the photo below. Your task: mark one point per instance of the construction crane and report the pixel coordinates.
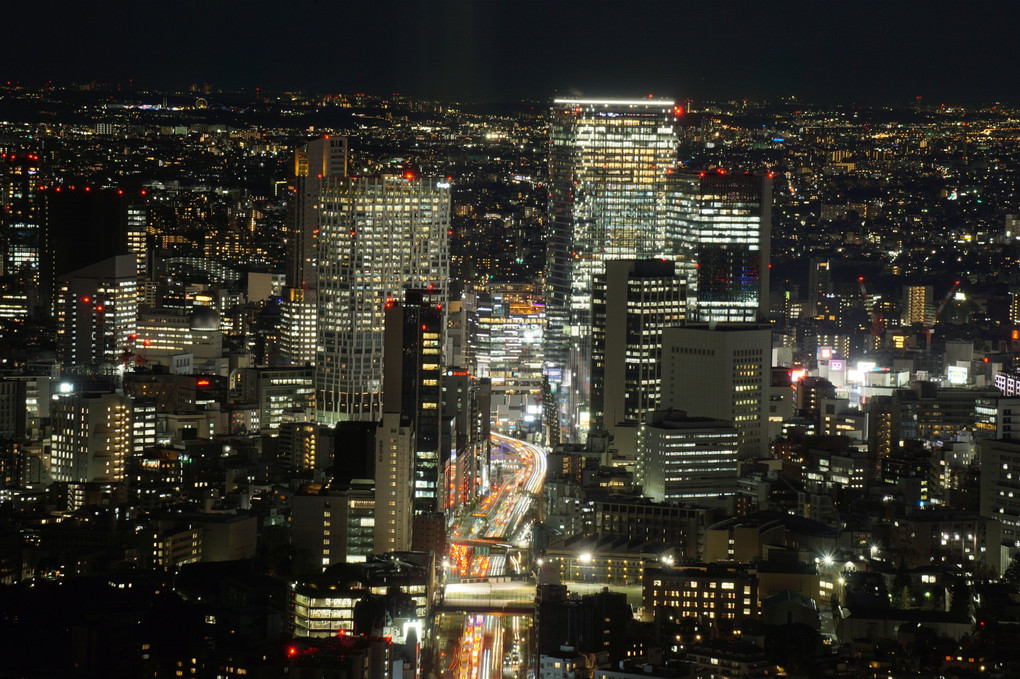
(929, 328)
(877, 319)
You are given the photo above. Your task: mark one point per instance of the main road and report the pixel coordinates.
(483, 541)
(502, 520)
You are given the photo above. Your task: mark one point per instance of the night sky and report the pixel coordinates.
(495, 50)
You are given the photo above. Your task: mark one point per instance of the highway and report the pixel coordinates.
(485, 541)
(479, 539)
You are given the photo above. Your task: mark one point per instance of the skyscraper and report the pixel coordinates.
(722, 372)
(508, 350)
(83, 226)
(313, 163)
(413, 384)
(21, 212)
(378, 237)
(632, 302)
(97, 312)
(610, 163)
(917, 304)
(91, 437)
(725, 220)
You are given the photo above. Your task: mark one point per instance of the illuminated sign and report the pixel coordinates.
(825, 353)
(956, 374)
(837, 365)
(797, 375)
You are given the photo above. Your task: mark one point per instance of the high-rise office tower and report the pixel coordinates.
(378, 237)
(917, 304)
(632, 302)
(91, 437)
(726, 221)
(722, 372)
(85, 225)
(819, 285)
(97, 312)
(610, 164)
(394, 476)
(466, 444)
(21, 213)
(508, 350)
(687, 459)
(313, 163)
(413, 384)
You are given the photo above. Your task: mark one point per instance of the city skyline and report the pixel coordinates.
(594, 389)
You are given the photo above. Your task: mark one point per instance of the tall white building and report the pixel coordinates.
(394, 476)
(97, 311)
(610, 164)
(723, 372)
(687, 459)
(378, 236)
(91, 438)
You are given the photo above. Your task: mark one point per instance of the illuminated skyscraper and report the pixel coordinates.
(722, 372)
(917, 304)
(725, 221)
(97, 312)
(84, 225)
(610, 162)
(509, 351)
(91, 437)
(378, 237)
(21, 213)
(413, 384)
(632, 303)
(313, 163)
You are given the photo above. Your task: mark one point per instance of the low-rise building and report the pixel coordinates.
(708, 592)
